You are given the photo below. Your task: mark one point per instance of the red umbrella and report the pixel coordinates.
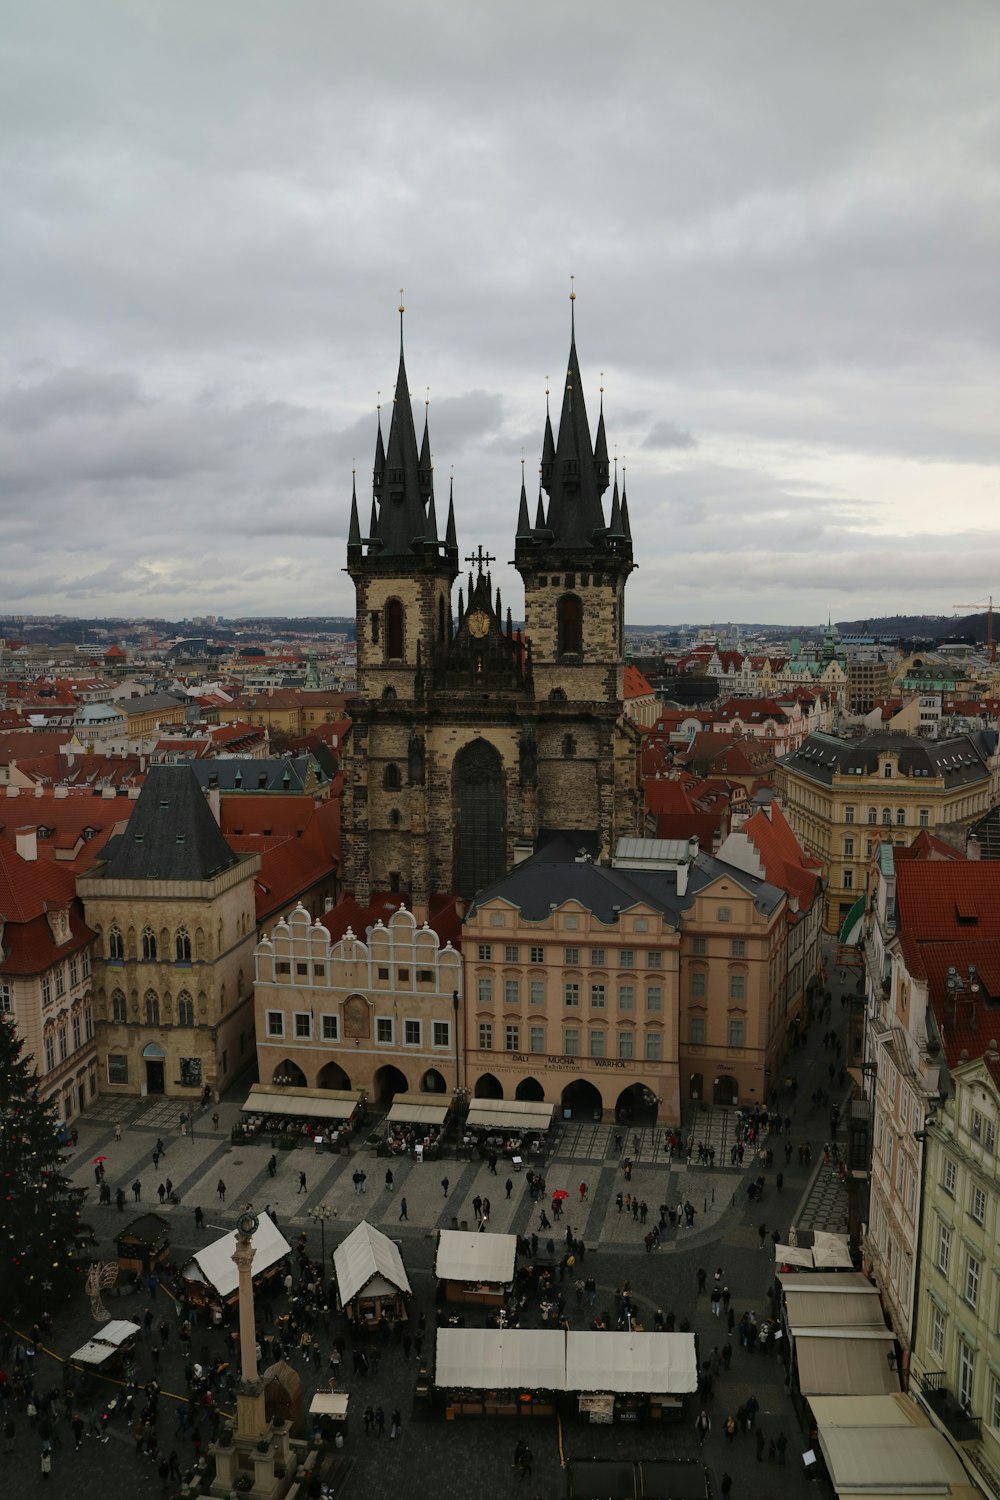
(559, 1193)
(99, 1158)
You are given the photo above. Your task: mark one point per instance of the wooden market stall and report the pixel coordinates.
(109, 1347)
(143, 1245)
(372, 1283)
(210, 1277)
(476, 1268)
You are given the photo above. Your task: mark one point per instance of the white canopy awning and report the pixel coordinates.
(664, 1363)
(307, 1104)
(510, 1114)
(793, 1255)
(867, 1411)
(368, 1261)
(501, 1359)
(417, 1109)
(868, 1460)
(535, 1359)
(214, 1265)
(844, 1362)
(477, 1258)
(330, 1403)
(110, 1339)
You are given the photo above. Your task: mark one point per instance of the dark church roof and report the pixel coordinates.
(171, 835)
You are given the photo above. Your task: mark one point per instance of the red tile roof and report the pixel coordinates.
(785, 862)
(636, 685)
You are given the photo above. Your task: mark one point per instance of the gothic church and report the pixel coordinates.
(471, 739)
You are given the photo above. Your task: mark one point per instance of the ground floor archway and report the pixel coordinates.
(637, 1105)
(289, 1075)
(433, 1082)
(583, 1100)
(332, 1076)
(530, 1088)
(488, 1087)
(696, 1086)
(725, 1090)
(387, 1082)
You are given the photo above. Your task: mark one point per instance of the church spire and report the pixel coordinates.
(451, 536)
(401, 520)
(575, 513)
(523, 520)
(354, 529)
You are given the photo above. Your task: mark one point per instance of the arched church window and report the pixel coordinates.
(392, 780)
(148, 944)
(185, 1009)
(570, 623)
(568, 745)
(557, 695)
(183, 945)
(394, 630)
(389, 694)
(116, 944)
(152, 1008)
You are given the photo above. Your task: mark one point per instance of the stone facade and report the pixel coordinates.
(380, 1012)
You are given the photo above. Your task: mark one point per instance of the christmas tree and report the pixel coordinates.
(42, 1256)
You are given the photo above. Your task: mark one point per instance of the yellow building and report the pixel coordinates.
(843, 796)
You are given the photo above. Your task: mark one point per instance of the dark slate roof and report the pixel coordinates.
(285, 773)
(958, 761)
(172, 834)
(150, 702)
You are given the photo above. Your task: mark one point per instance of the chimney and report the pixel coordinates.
(27, 844)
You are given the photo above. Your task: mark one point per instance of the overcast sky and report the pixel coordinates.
(783, 220)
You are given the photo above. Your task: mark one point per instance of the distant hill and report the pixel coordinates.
(919, 627)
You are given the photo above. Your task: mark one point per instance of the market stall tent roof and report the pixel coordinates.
(501, 1359)
(311, 1104)
(865, 1460)
(111, 1337)
(897, 1410)
(510, 1114)
(468, 1256)
(650, 1363)
(829, 1310)
(793, 1255)
(368, 1261)
(417, 1109)
(147, 1229)
(330, 1403)
(844, 1362)
(214, 1265)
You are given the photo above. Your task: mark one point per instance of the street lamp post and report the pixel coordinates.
(319, 1215)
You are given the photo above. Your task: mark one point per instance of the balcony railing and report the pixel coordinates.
(963, 1426)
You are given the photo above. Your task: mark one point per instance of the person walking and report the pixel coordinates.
(725, 1488)
(215, 1120)
(444, 1184)
(118, 1130)
(762, 1231)
(527, 1459)
(395, 1423)
(389, 1181)
(220, 1188)
(403, 1215)
(272, 1166)
(46, 1463)
(199, 1219)
(302, 1182)
(583, 1192)
(161, 1193)
(137, 1189)
(120, 1200)
(509, 1186)
(703, 1426)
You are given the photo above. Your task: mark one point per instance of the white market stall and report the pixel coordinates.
(632, 1370)
(115, 1338)
(476, 1268)
(211, 1274)
(372, 1283)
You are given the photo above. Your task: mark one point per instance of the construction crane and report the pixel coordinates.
(987, 604)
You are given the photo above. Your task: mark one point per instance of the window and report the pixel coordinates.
(485, 952)
(887, 771)
(924, 817)
(966, 1374)
(724, 914)
(302, 970)
(117, 1069)
(152, 1009)
(598, 958)
(536, 1039)
(148, 944)
(598, 996)
(848, 848)
(394, 630)
(484, 991)
(331, 1028)
(496, 918)
(738, 948)
(654, 959)
(536, 992)
(5, 1003)
(441, 1033)
(403, 976)
(50, 1052)
(319, 971)
(873, 815)
(887, 817)
(185, 1009)
(275, 1023)
(626, 1044)
(46, 990)
(116, 946)
(989, 1135)
(425, 976)
(74, 973)
(411, 1033)
(977, 1125)
(641, 924)
(392, 780)
(85, 965)
(119, 1010)
(537, 955)
(973, 1268)
(627, 959)
(737, 1031)
(303, 1024)
(697, 1030)
(77, 1036)
(597, 1043)
(571, 994)
(383, 1029)
(654, 1046)
(569, 618)
(60, 981)
(572, 956)
(512, 1038)
(511, 953)
(654, 998)
(699, 984)
(937, 1331)
(944, 1249)
(978, 1209)
(88, 1024)
(571, 1041)
(737, 986)
(512, 992)
(485, 1036)
(699, 945)
(626, 997)
(950, 1174)
(849, 813)
(182, 945)
(900, 817)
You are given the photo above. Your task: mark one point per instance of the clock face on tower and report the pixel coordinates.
(479, 623)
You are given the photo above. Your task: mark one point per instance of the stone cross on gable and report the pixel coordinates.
(481, 559)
